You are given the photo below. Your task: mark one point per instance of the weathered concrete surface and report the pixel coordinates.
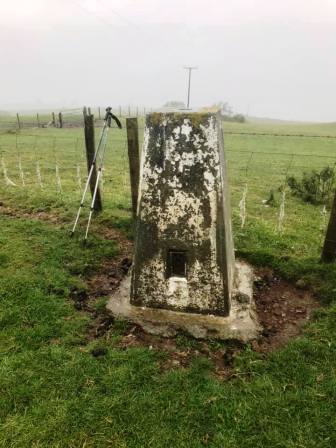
(241, 324)
(183, 208)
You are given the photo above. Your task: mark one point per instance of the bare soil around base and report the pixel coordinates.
(282, 309)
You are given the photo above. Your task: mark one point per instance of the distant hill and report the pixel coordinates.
(252, 119)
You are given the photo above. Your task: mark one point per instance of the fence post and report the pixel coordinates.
(53, 121)
(134, 160)
(329, 247)
(99, 116)
(129, 111)
(60, 119)
(90, 151)
(38, 120)
(18, 121)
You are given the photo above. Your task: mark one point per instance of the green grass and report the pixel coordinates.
(54, 393)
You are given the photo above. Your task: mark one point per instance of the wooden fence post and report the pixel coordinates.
(99, 116)
(60, 119)
(90, 151)
(38, 120)
(134, 159)
(53, 121)
(329, 247)
(18, 121)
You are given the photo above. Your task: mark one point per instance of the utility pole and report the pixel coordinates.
(189, 77)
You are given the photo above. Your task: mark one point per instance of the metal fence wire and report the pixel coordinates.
(56, 165)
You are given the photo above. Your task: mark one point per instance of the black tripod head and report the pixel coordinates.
(109, 116)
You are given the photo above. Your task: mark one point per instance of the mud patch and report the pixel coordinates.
(107, 280)
(180, 351)
(38, 214)
(112, 270)
(282, 310)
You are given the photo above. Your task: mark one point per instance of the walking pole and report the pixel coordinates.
(102, 143)
(100, 168)
(89, 178)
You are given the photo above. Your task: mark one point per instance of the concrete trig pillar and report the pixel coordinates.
(184, 257)
(184, 276)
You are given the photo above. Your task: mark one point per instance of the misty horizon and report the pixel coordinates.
(265, 60)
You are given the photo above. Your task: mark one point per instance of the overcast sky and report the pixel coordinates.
(265, 57)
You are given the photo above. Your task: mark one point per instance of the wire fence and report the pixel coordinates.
(47, 166)
(260, 179)
(43, 167)
(70, 118)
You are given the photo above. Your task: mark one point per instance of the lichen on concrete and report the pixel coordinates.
(183, 206)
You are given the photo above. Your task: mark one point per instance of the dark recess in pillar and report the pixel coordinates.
(177, 263)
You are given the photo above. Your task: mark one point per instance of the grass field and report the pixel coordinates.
(54, 393)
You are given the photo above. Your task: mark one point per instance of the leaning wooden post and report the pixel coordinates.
(18, 121)
(90, 151)
(329, 247)
(60, 119)
(134, 160)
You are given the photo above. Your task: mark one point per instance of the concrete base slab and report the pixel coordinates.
(240, 325)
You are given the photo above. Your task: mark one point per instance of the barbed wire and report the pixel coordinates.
(268, 134)
(297, 154)
(69, 118)
(54, 154)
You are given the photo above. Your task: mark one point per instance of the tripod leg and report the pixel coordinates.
(92, 203)
(102, 140)
(83, 199)
(101, 144)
